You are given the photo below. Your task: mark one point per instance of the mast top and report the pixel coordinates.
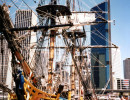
(56, 10)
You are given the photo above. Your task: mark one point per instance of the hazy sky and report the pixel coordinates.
(121, 30)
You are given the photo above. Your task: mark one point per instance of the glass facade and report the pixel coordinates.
(100, 56)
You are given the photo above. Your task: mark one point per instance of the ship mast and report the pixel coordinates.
(51, 50)
(110, 57)
(72, 71)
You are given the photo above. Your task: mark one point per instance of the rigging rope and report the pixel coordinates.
(101, 34)
(94, 2)
(92, 9)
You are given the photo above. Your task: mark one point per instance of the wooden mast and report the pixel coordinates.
(73, 77)
(51, 51)
(73, 67)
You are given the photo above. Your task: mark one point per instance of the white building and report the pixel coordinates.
(116, 66)
(5, 68)
(6, 71)
(26, 18)
(123, 84)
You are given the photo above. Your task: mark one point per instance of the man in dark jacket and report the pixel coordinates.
(19, 81)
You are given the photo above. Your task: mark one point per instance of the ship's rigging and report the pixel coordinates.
(51, 26)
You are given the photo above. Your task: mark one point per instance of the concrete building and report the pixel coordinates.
(116, 66)
(123, 84)
(26, 18)
(5, 68)
(116, 63)
(126, 63)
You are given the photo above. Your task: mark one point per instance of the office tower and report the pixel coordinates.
(116, 63)
(26, 18)
(5, 64)
(126, 63)
(100, 56)
(116, 66)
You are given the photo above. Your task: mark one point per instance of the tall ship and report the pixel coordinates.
(53, 58)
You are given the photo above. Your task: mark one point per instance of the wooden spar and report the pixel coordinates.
(79, 47)
(55, 27)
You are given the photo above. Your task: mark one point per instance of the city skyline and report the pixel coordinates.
(120, 31)
(119, 13)
(119, 25)
(107, 68)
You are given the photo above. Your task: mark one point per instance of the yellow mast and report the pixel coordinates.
(72, 80)
(73, 73)
(51, 52)
(51, 57)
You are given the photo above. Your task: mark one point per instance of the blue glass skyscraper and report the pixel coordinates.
(100, 56)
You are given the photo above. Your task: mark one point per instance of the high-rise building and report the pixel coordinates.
(116, 63)
(116, 66)
(126, 63)
(5, 64)
(5, 67)
(100, 56)
(26, 18)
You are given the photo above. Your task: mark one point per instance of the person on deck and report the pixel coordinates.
(19, 81)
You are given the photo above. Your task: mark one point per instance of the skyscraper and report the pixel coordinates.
(26, 18)
(116, 63)
(126, 63)
(5, 63)
(116, 66)
(100, 56)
